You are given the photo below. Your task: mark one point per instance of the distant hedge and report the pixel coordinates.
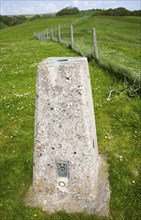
(12, 20)
(68, 11)
(116, 12)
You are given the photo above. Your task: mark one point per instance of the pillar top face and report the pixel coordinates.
(62, 60)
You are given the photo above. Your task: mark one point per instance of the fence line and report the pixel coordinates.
(94, 42)
(84, 41)
(72, 39)
(65, 34)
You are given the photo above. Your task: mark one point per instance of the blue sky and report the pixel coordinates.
(15, 7)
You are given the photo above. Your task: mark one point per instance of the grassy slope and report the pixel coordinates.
(118, 42)
(117, 121)
(3, 25)
(25, 31)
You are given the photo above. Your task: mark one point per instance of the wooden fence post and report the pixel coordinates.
(41, 36)
(72, 40)
(51, 33)
(94, 43)
(59, 33)
(46, 33)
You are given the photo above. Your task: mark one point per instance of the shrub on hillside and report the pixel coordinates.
(116, 12)
(35, 17)
(136, 13)
(68, 11)
(12, 20)
(49, 15)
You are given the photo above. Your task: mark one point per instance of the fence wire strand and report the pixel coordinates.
(81, 40)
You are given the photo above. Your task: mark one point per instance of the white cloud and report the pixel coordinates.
(75, 3)
(93, 4)
(13, 7)
(86, 3)
(28, 7)
(47, 6)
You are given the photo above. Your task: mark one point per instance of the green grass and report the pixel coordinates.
(118, 42)
(117, 121)
(3, 25)
(25, 31)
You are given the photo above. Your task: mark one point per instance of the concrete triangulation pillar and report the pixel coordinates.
(68, 173)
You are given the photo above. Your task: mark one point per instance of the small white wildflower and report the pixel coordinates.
(119, 157)
(133, 181)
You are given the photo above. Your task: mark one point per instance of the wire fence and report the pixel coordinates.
(83, 40)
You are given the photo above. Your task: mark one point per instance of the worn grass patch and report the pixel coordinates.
(117, 120)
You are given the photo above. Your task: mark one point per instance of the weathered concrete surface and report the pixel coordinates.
(68, 173)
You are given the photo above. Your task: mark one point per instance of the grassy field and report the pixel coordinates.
(118, 42)
(117, 120)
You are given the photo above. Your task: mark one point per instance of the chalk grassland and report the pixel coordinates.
(117, 120)
(118, 42)
(26, 30)
(118, 39)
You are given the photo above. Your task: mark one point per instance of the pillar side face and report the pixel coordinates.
(68, 173)
(65, 150)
